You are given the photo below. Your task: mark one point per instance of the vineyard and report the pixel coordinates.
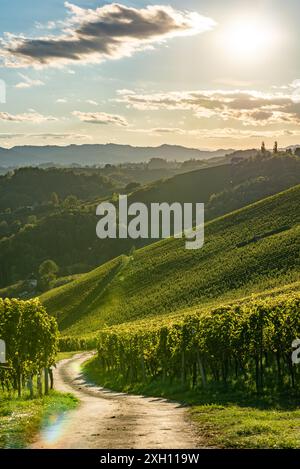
(248, 344)
(165, 278)
(31, 338)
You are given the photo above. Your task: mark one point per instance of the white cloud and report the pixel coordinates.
(218, 133)
(28, 82)
(49, 25)
(59, 136)
(92, 102)
(33, 117)
(100, 118)
(61, 100)
(251, 107)
(109, 32)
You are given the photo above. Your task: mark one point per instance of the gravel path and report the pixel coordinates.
(106, 419)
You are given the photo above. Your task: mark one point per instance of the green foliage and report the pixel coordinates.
(244, 343)
(48, 267)
(21, 418)
(54, 199)
(47, 274)
(70, 202)
(31, 186)
(69, 344)
(31, 338)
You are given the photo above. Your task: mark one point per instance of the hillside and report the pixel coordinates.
(68, 235)
(165, 278)
(278, 173)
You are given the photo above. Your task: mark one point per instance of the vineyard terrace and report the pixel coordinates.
(161, 221)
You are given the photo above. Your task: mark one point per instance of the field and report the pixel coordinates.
(165, 279)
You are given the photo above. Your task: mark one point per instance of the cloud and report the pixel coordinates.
(218, 133)
(159, 131)
(92, 102)
(59, 136)
(28, 82)
(33, 117)
(10, 136)
(251, 107)
(100, 118)
(49, 25)
(108, 32)
(61, 100)
(45, 136)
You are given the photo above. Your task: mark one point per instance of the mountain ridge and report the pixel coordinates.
(100, 154)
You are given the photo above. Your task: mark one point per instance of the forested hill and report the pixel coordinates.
(33, 186)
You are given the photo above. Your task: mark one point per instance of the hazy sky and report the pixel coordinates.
(205, 73)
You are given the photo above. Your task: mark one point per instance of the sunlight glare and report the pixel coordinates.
(249, 39)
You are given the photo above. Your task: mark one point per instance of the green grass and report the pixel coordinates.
(223, 418)
(65, 355)
(22, 418)
(233, 426)
(12, 290)
(166, 279)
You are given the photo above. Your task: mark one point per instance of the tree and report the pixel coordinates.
(275, 149)
(297, 151)
(31, 220)
(47, 273)
(31, 338)
(263, 147)
(54, 199)
(48, 267)
(71, 201)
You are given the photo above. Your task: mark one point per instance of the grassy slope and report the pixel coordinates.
(165, 278)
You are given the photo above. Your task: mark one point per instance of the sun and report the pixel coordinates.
(249, 39)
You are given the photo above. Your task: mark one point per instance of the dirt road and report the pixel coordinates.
(106, 419)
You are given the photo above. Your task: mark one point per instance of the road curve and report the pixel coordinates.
(106, 419)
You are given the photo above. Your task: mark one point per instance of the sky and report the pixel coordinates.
(205, 74)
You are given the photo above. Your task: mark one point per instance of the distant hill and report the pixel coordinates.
(277, 173)
(246, 251)
(99, 154)
(32, 186)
